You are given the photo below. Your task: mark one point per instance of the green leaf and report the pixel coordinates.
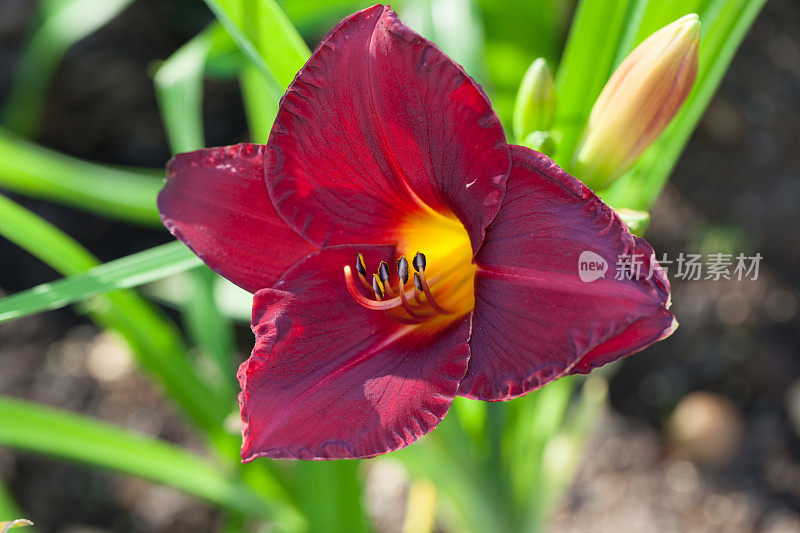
(66, 23)
(637, 221)
(317, 17)
(266, 36)
(276, 52)
(179, 91)
(586, 65)
(33, 170)
(260, 102)
(124, 273)
(43, 430)
(209, 330)
(450, 458)
(561, 456)
(534, 420)
(155, 341)
(536, 29)
(331, 495)
(179, 86)
(234, 302)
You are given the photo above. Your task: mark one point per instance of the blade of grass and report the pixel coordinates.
(179, 86)
(210, 331)
(459, 474)
(276, 51)
(179, 89)
(265, 35)
(586, 65)
(31, 427)
(561, 456)
(233, 302)
(260, 102)
(33, 170)
(476, 513)
(155, 342)
(68, 23)
(656, 15)
(330, 496)
(535, 420)
(127, 272)
(316, 17)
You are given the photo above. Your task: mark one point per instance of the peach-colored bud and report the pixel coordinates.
(638, 102)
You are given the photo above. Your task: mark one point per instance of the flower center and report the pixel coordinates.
(435, 287)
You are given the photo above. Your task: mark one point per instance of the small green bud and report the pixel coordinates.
(535, 106)
(541, 141)
(637, 221)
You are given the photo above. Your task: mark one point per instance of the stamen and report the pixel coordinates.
(429, 294)
(385, 305)
(419, 262)
(383, 271)
(383, 274)
(386, 299)
(417, 288)
(402, 269)
(402, 273)
(361, 268)
(407, 306)
(376, 286)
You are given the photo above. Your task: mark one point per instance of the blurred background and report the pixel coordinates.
(703, 429)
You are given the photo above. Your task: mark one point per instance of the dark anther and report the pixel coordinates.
(418, 282)
(402, 269)
(383, 271)
(419, 262)
(376, 286)
(362, 269)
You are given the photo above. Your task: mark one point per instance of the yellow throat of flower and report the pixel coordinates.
(431, 281)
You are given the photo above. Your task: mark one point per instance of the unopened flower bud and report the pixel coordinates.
(535, 106)
(638, 102)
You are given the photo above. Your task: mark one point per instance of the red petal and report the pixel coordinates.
(377, 121)
(216, 202)
(329, 379)
(534, 319)
(637, 337)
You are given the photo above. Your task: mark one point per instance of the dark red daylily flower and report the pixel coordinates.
(382, 148)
